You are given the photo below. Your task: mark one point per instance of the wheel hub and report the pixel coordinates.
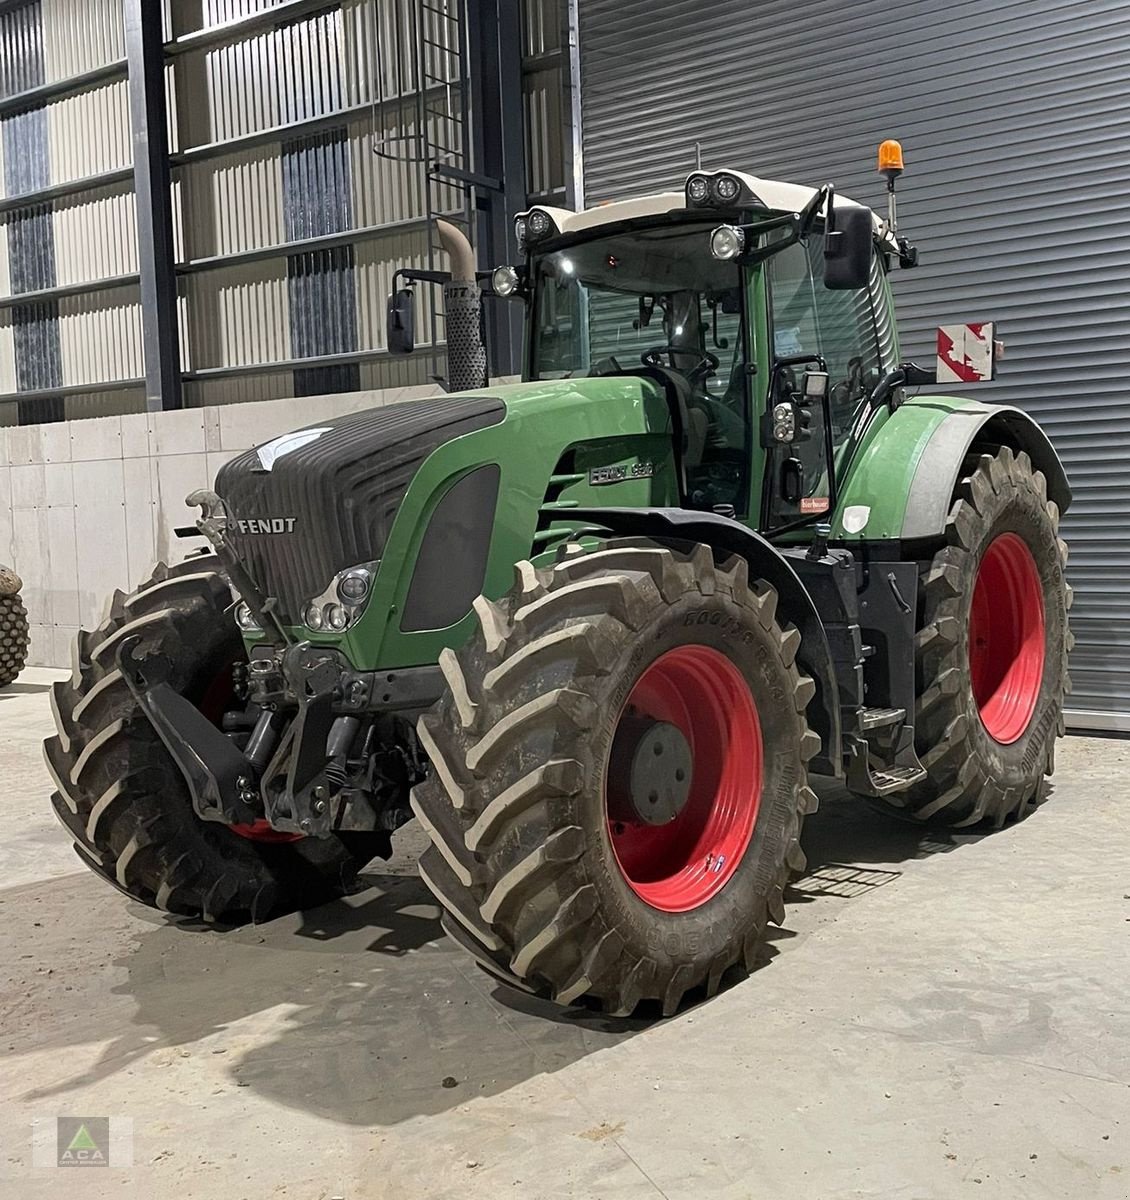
(653, 759)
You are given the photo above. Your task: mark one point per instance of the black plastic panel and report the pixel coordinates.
(453, 555)
(343, 491)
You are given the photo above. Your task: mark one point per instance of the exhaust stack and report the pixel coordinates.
(462, 310)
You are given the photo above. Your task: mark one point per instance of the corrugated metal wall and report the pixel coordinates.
(288, 224)
(55, 341)
(1014, 117)
(274, 124)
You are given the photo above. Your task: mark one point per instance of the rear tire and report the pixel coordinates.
(14, 638)
(122, 797)
(524, 859)
(992, 650)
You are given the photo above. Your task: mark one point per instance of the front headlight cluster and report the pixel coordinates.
(339, 606)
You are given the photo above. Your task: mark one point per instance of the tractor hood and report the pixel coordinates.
(309, 504)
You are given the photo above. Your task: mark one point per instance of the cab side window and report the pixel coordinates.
(839, 326)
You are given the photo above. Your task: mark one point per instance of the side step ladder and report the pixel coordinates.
(882, 759)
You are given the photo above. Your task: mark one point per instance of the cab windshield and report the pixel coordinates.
(654, 297)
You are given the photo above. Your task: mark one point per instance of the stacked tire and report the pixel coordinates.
(14, 632)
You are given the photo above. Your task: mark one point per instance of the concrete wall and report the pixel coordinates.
(89, 506)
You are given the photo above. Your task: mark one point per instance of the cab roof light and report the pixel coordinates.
(718, 190)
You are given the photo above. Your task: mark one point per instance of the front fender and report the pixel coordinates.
(765, 562)
(902, 485)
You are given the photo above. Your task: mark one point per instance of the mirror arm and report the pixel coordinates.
(411, 276)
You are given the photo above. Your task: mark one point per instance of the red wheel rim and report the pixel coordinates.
(1006, 638)
(681, 865)
(212, 705)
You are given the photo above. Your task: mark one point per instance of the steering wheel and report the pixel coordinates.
(705, 366)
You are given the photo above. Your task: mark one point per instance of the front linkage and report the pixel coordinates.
(317, 735)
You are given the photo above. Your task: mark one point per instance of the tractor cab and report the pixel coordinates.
(759, 305)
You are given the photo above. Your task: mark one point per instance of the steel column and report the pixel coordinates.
(494, 31)
(145, 54)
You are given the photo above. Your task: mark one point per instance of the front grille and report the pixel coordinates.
(342, 489)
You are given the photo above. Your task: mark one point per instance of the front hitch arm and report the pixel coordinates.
(217, 774)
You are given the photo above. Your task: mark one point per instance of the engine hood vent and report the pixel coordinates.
(309, 504)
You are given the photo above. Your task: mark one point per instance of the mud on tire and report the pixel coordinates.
(124, 800)
(521, 857)
(973, 777)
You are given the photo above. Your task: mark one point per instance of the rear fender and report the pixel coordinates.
(940, 468)
(902, 483)
(727, 537)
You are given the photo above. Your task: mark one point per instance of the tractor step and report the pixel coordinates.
(880, 718)
(894, 779)
(878, 771)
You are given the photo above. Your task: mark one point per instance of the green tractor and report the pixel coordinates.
(596, 630)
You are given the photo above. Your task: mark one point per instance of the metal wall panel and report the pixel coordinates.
(238, 316)
(1013, 116)
(233, 202)
(89, 133)
(95, 235)
(77, 37)
(100, 336)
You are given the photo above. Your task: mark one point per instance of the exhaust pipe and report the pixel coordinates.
(462, 311)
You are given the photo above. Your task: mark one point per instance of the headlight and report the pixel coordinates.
(243, 616)
(314, 618)
(354, 585)
(726, 189)
(698, 189)
(727, 242)
(337, 616)
(520, 232)
(504, 281)
(538, 225)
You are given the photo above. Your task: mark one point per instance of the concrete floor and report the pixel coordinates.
(941, 1016)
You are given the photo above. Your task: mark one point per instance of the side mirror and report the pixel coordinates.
(848, 249)
(400, 325)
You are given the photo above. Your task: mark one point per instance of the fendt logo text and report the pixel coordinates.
(266, 524)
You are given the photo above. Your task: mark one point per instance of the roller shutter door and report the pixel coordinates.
(1015, 119)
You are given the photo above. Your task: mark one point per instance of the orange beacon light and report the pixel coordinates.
(890, 159)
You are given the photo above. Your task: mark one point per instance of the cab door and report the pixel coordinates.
(812, 328)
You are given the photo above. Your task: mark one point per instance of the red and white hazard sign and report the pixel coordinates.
(965, 353)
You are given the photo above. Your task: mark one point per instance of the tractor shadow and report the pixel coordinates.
(360, 1011)
(363, 1013)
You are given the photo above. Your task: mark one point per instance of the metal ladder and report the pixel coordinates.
(427, 53)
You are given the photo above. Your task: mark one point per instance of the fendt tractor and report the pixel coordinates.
(596, 630)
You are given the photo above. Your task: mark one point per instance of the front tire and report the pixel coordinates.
(544, 872)
(992, 650)
(123, 799)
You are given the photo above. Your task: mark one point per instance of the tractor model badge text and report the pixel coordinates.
(619, 472)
